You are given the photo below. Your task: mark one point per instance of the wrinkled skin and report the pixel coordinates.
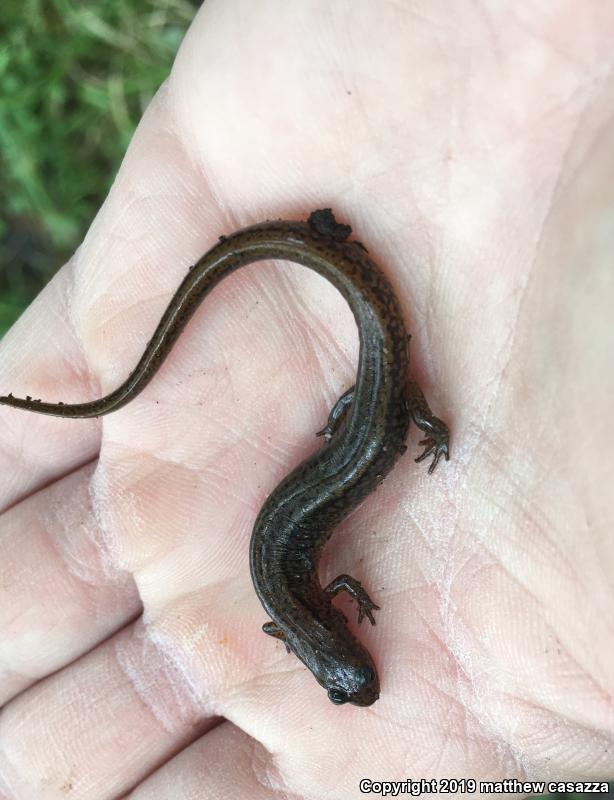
(470, 146)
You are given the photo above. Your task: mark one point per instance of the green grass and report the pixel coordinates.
(75, 78)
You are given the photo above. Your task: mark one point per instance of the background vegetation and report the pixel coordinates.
(75, 78)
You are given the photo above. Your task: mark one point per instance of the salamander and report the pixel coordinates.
(364, 436)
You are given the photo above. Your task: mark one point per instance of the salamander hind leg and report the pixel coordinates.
(346, 583)
(337, 415)
(437, 441)
(276, 632)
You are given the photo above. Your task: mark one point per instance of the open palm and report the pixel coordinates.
(470, 148)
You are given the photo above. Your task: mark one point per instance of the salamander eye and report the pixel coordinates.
(366, 676)
(337, 696)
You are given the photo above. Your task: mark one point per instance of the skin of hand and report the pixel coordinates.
(470, 148)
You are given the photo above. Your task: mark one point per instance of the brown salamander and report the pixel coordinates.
(365, 435)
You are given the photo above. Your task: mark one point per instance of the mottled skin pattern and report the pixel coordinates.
(365, 435)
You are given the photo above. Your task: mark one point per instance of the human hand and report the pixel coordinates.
(471, 153)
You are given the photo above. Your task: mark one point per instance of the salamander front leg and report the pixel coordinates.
(366, 606)
(437, 432)
(273, 630)
(337, 415)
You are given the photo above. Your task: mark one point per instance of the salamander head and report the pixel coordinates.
(358, 685)
(342, 666)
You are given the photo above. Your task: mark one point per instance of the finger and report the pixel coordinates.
(40, 351)
(61, 592)
(226, 762)
(110, 719)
